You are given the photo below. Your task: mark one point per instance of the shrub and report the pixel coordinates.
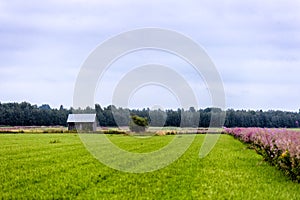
(280, 147)
(138, 124)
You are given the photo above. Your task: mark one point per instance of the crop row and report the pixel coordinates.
(280, 147)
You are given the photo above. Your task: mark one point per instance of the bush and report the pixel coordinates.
(138, 124)
(279, 147)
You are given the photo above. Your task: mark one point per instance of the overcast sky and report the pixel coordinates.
(255, 45)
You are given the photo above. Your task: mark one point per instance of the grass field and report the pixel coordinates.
(55, 166)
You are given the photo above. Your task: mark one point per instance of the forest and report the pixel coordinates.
(26, 114)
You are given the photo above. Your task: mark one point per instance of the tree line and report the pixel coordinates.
(25, 114)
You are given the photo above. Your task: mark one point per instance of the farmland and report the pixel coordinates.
(58, 166)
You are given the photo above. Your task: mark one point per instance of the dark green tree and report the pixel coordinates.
(138, 124)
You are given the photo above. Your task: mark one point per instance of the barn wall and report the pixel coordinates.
(82, 126)
(71, 126)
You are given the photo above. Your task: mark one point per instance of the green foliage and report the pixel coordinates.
(32, 168)
(138, 124)
(25, 114)
(279, 147)
(282, 160)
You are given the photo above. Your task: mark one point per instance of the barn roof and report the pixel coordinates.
(81, 118)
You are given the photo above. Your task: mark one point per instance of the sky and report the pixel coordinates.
(255, 46)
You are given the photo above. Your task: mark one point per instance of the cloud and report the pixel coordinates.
(255, 45)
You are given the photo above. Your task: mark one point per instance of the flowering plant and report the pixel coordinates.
(280, 147)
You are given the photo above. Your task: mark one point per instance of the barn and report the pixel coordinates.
(82, 122)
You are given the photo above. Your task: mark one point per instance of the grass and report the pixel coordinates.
(294, 129)
(33, 167)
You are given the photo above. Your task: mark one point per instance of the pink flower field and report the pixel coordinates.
(280, 147)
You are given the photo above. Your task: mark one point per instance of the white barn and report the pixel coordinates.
(82, 122)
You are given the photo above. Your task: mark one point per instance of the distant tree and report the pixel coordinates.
(25, 114)
(45, 107)
(157, 117)
(173, 118)
(138, 124)
(108, 115)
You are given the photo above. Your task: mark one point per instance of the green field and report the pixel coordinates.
(56, 166)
